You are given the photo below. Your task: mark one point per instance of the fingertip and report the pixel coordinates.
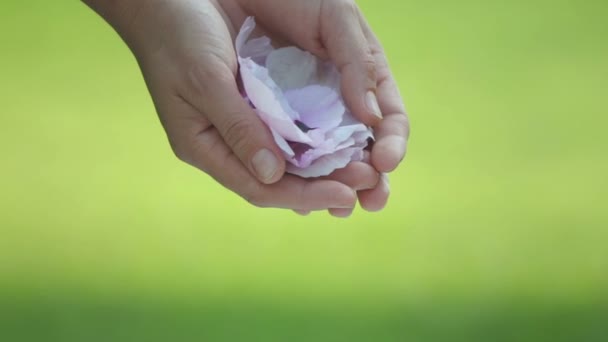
(357, 175)
(318, 194)
(343, 197)
(341, 213)
(388, 153)
(302, 212)
(376, 199)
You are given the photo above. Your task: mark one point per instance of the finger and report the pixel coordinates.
(211, 154)
(289, 193)
(302, 212)
(391, 144)
(348, 48)
(393, 131)
(357, 176)
(293, 192)
(375, 199)
(215, 93)
(341, 213)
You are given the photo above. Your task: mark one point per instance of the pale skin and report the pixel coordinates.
(186, 53)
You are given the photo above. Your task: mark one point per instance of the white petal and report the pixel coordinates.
(291, 67)
(326, 164)
(244, 33)
(342, 133)
(283, 145)
(267, 99)
(318, 107)
(257, 49)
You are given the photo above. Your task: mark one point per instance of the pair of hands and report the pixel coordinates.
(186, 52)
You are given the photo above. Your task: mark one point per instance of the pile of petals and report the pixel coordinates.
(298, 97)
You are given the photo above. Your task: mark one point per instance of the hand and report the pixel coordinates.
(336, 29)
(185, 51)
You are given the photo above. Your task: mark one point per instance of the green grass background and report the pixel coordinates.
(497, 228)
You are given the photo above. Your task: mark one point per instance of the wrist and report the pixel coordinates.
(122, 15)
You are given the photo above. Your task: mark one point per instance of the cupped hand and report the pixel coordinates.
(337, 30)
(185, 50)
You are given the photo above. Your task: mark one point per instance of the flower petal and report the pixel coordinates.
(243, 36)
(283, 145)
(319, 108)
(342, 133)
(257, 49)
(292, 68)
(266, 97)
(338, 139)
(298, 97)
(327, 164)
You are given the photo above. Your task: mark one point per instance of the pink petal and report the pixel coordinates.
(319, 107)
(342, 133)
(257, 49)
(328, 76)
(283, 145)
(289, 85)
(327, 164)
(243, 36)
(291, 67)
(266, 98)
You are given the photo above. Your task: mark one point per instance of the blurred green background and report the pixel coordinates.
(497, 228)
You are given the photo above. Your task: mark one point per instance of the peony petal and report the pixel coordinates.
(342, 133)
(358, 155)
(328, 76)
(298, 97)
(283, 144)
(361, 138)
(326, 164)
(338, 139)
(319, 107)
(309, 156)
(257, 49)
(244, 33)
(292, 68)
(266, 98)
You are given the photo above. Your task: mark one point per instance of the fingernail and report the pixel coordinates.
(265, 164)
(372, 104)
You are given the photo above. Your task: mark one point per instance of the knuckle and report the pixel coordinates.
(192, 152)
(255, 196)
(363, 68)
(179, 151)
(237, 132)
(204, 78)
(368, 66)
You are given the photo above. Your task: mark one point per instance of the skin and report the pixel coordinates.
(186, 53)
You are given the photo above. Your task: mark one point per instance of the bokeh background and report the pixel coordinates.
(497, 228)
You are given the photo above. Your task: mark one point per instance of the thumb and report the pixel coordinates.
(216, 95)
(349, 49)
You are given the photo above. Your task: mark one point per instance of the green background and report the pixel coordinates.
(497, 228)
